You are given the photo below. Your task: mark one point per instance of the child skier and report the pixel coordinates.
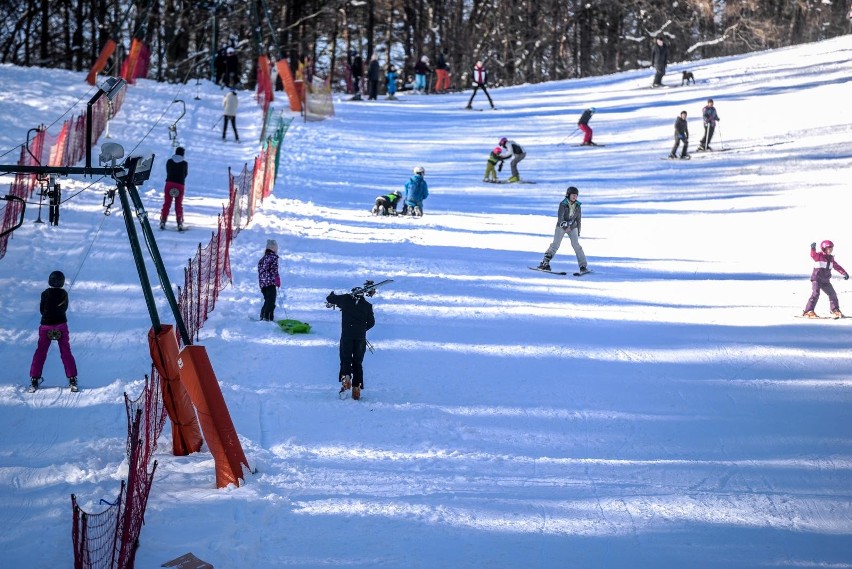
(681, 135)
(268, 279)
(386, 205)
(54, 326)
(416, 190)
(583, 124)
(568, 219)
(495, 156)
(391, 79)
(821, 279)
(356, 318)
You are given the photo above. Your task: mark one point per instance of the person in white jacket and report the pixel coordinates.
(229, 106)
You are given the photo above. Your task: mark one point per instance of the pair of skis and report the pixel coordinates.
(33, 387)
(577, 274)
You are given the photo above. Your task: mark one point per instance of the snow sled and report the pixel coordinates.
(294, 326)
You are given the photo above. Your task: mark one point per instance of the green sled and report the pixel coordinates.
(294, 326)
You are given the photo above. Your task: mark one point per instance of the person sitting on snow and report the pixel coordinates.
(386, 205)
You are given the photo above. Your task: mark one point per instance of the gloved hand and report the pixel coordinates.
(813, 246)
(278, 281)
(564, 225)
(846, 277)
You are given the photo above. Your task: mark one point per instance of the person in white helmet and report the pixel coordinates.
(416, 190)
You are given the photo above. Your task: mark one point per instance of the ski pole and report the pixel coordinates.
(721, 144)
(564, 140)
(706, 135)
(217, 122)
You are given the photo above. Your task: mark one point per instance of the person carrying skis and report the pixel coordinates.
(268, 279)
(821, 279)
(356, 318)
(568, 219)
(391, 80)
(516, 152)
(583, 124)
(176, 172)
(386, 205)
(490, 172)
(681, 134)
(710, 117)
(416, 190)
(480, 79)
(54, 326)
(659, 60)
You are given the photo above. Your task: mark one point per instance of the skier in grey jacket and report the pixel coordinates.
(568, 220)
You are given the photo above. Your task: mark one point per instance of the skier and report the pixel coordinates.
(391, 80)
(54, 326)
(416, 190)
(568, 220)
(268, 279)
(356, 318)
(176, 172)
(659, 60)
(229, 107)
(373, 78)
(386, 205)
(583, 124)
(710, 117)
(821, 279)
(681, 134)
(516, 152)
(480, 79)
(495, 156)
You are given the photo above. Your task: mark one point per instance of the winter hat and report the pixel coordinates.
(179, 150)
(272, 245)
(709, 100)
(229, 51)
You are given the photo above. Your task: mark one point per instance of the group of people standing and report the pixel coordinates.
(681, 131)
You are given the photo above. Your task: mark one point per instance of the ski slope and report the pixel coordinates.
(667, 410)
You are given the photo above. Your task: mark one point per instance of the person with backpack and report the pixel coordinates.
(53, 326)
(568, 219)
(268, 279)
(681, 134)
(583, 124)
(176, 171)
(516, 152)
(416, 190)
(710, 116)
(356, 319)
(480, 80)
(387, 204)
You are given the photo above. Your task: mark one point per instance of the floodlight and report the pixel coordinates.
(110, 152)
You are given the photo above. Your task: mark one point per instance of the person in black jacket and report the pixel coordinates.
(583, 124)
(681, 134)
(659, 60)
(357, 318)
(176, 171)
(54, 326)
(373, 71)
(356, 66)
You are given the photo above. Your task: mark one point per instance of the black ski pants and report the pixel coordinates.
(484, 90)
(352, 350)
(267, 312)
(233, 121)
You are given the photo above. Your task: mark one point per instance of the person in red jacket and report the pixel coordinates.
(821, 279)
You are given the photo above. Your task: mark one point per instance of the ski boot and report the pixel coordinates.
(514, 179)
(162, 225)
(836, 314)
(356, 392)
(35, 382)
(345, 385)
(809, 314)
(72, 383)
(544, 265)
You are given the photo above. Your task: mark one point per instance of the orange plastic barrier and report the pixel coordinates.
(198, 377)
(129, 67)
(289, 85)
(100, 64)
(186, 435)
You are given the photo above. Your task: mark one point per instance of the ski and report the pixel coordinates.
(508, 182)
(818, 317)
(581, 273)
(592, 145)
(687, 157)
(550, 272)
(472, 109)
(33, 388)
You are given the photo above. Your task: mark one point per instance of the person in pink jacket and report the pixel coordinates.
(821, 279)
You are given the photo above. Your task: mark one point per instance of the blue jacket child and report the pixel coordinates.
(416, 190)
(391, 79)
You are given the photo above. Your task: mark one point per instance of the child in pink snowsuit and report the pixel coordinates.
(54, 326)
(821, 279)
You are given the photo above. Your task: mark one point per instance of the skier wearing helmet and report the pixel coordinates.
(568, 220)
(821, 279)
(516, 152)
(54, 326)
(416, 190)
(583, 124)
(386, 205)
(495, 156)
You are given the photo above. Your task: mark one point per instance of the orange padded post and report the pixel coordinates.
(186, 434)
(100, 64)
(198, 377)
(289, 85)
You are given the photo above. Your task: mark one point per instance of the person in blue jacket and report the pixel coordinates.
(416, 190)
(391, 79)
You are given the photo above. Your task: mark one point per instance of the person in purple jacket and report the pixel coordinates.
(268, 279)
(821, 279)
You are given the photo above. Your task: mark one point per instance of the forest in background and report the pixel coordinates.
(521, 41)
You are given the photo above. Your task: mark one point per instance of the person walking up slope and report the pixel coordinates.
(659, 60)
(821, 279)
(710, 118)
(229, 108)
(568, 220)
(356, 318)
(176, 172)
(681, 134)
(54, 326)
(268, 279)
(480, 79)
(583, 124)
(416, 190)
